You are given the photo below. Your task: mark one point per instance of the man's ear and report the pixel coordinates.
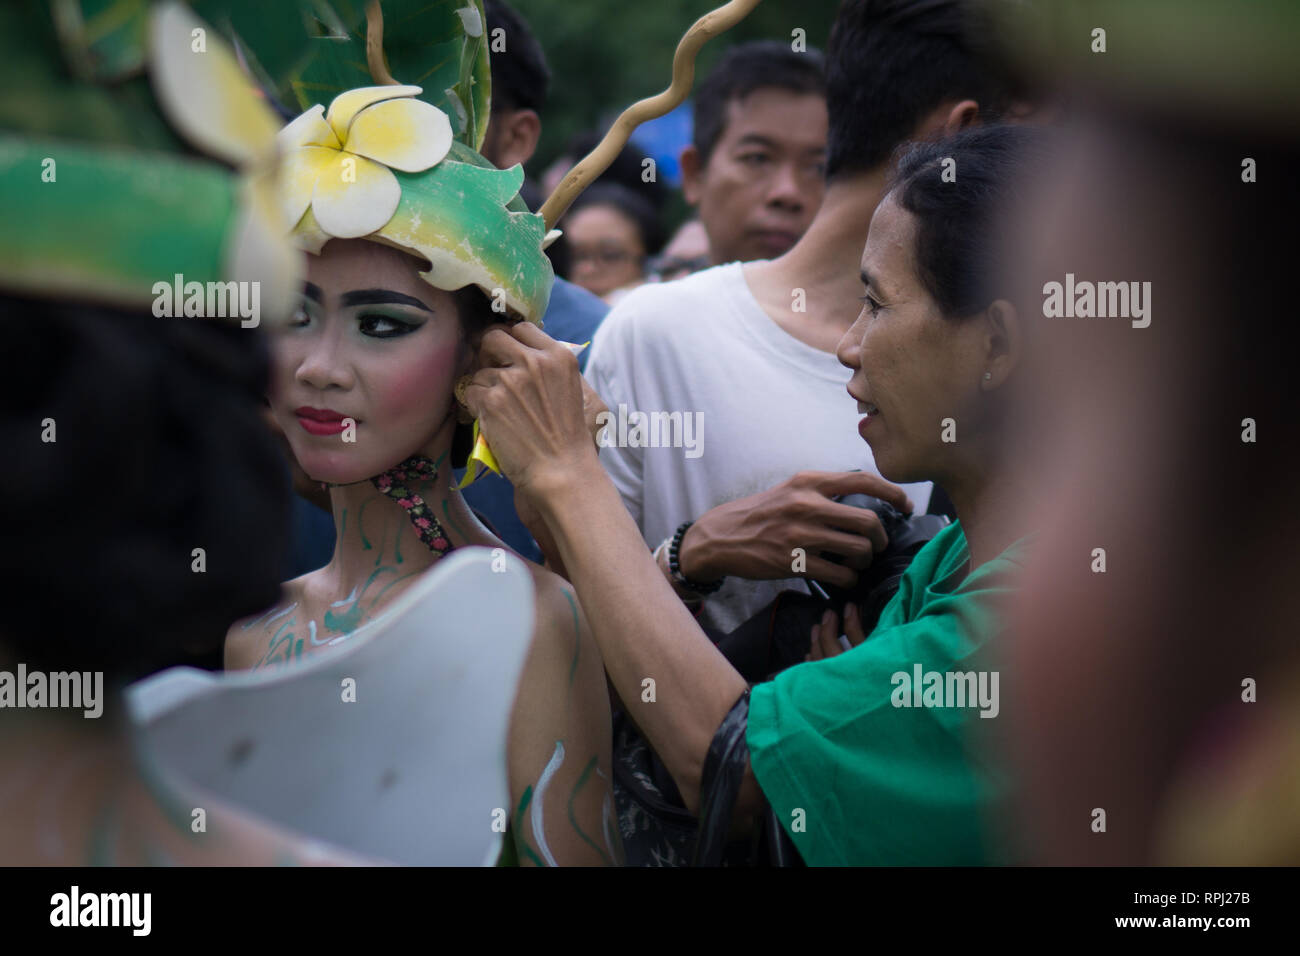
(946, 119)
(692, 175)
(516, 136)
(1003, 343)
(960, 115)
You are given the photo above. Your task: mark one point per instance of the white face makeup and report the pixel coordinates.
(372, 344)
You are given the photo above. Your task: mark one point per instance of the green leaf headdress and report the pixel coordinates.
(397, 163)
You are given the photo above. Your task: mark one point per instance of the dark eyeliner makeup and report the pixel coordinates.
(385, 324)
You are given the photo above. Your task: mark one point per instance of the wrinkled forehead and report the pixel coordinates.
(776, 118)
(888, 258)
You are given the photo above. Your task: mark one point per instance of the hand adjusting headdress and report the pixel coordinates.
(397, 164)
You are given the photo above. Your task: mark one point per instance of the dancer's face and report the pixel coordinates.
(374, 343)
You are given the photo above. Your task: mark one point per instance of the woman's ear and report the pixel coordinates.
(1003, 344)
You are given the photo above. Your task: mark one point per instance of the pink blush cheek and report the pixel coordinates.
(417, 389)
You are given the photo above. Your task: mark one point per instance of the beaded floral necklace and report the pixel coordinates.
(394, 484)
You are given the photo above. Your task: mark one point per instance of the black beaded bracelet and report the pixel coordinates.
(707, 587)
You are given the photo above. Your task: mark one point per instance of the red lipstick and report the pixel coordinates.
(320, 421)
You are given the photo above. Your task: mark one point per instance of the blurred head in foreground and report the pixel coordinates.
(1157, 711)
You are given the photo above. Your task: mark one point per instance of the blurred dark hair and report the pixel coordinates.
(520, 76)
(760, 64)
(627, 169)
(632, 205)
(956, 249)
(891, 62)
(160, 448)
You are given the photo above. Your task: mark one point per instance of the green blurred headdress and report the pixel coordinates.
(134, 153)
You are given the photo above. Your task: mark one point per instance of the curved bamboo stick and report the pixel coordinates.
(598, 160)
(375, 45)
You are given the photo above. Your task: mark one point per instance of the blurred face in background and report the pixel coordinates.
(608, 252)
(763, 182)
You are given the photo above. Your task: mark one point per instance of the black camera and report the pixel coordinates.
(777, 636)
(877, 584)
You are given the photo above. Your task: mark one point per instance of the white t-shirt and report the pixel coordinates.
(755, 407)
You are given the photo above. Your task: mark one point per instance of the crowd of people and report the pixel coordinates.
(845, 548)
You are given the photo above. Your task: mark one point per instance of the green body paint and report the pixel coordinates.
(380, 596)
(361, 525)
(573, 820)
(284, 645)
(276, 640)
(446, 514)
(577, 635)
(345, 622)
(520, 842)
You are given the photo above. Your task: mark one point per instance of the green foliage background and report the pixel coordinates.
(605, 54)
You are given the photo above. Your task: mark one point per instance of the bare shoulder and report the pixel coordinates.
(563, 648)
(248, 639)
(556, 609)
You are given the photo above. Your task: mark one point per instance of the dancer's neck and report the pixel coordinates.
(374, 533)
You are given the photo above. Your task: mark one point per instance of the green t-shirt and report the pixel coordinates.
(886, 773)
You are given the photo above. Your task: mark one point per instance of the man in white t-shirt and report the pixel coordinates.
(766, 434)
(756, 405)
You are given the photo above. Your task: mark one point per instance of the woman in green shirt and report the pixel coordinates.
(865, 758)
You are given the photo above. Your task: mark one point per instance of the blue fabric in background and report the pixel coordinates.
(573, 315)
(663, 140)
(311, 541)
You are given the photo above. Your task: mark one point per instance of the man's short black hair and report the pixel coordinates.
(761, 64)
(891, 62)
(520, 76)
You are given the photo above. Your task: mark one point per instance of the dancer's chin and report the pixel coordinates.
(340, 469)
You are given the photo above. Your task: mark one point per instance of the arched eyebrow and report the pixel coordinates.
(380, 297)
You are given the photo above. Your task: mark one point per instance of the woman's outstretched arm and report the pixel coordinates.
(676, 684)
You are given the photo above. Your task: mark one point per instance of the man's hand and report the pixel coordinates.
(534, 408)
(757, 537)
